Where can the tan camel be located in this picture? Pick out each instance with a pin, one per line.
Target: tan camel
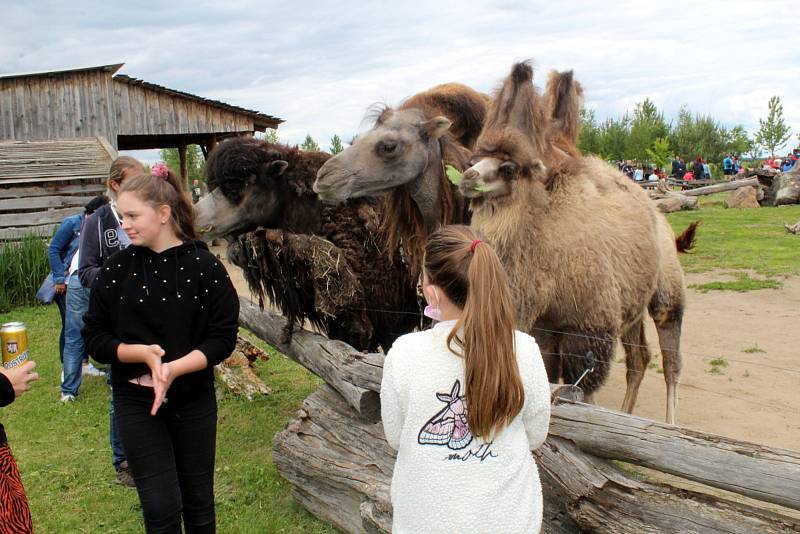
(584, 247)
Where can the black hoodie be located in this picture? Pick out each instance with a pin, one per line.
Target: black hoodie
(181, 299)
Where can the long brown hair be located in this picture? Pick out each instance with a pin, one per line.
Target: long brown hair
(170, 191)
(470, 274)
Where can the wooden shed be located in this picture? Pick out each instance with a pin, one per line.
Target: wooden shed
(60, 130)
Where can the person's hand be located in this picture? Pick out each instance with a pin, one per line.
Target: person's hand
(161, 384)
(61, 289)
(21, 376)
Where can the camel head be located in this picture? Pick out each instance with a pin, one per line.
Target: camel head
(249, 185)
(394, 153)
(510, 147)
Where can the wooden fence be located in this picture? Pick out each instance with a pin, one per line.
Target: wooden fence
(602, 471)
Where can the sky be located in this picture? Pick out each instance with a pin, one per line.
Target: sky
(321, 65)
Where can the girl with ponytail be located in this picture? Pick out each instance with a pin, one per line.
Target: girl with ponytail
(162, 313)
(465, 402)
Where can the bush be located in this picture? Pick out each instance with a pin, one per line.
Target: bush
(23, 266)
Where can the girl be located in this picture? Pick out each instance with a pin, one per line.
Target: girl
(163, 312)
(465, 402)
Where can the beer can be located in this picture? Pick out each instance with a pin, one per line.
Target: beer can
(15, 344)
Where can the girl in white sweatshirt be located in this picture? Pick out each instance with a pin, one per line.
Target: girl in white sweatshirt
(465, 402)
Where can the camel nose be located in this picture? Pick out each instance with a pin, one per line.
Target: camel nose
(470, 174)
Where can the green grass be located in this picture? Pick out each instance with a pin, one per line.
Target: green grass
(23, 267)
(717, 366)
(65, 461)
(742, 283)
(741, 239)
(754, 350)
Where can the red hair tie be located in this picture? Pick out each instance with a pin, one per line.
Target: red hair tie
(474, 244)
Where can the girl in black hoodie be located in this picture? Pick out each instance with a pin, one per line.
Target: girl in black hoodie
(163, 312)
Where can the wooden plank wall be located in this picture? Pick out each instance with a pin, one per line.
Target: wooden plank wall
(42, 182)
(63, 105)
(144, 111)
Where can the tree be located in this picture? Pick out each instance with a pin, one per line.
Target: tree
(614, 137)
(195, 162)
(737, 141)
(336, 145)
(271, 135)
(773, 131)
(589, 138)
(309, 144)
(660, 153)
(647, 126)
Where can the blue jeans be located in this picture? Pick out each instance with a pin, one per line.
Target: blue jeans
(117, 452)
(74, 348)
(61, 301)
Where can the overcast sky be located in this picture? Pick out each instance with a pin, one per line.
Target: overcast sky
(319, 65)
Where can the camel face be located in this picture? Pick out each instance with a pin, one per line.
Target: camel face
(394, 153)
(488, 178)
(240, 206)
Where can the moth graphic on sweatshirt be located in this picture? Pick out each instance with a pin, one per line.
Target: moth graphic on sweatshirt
(449, 426)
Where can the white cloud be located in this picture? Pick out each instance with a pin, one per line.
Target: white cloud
(319, 65)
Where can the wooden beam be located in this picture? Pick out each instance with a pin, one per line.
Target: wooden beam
(15, 234)
(50, 189)
(38, 203)
(717, 188)
(37, 218)
(182, 156)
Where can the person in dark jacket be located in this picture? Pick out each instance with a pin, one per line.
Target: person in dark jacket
(102, 236)
(163, 312)
(676, 167)
(15, 514)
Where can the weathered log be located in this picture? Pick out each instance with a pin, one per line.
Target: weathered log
(236, 374)
(744, 197)
(725, 186)
(675, 203)
(340, 468)
(334, 361)
(765, 473)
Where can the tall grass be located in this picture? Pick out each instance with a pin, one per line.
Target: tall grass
(23, 266)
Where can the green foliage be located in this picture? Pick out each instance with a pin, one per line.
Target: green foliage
(773, 131)
(614, 135)
(309, 144)
(23, 266)
(736, 140)
(693, 136)
(63, 454)
(717, 365)
(195, 162)
(589, 138)
(453, 174)
(336, 145)
(271, 135)
(659, 153)
(754, 349)
(742, 284)
(646, 127)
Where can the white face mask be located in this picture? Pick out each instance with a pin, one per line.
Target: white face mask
(432, 311)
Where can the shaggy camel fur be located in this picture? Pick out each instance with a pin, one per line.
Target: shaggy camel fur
(324, 264)
(402, 158)
(584, 247)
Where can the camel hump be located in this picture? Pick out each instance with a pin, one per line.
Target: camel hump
(522, 72)
(464, 106)
(686, 240)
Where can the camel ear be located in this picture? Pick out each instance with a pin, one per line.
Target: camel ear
(277, 167)
(436, 127)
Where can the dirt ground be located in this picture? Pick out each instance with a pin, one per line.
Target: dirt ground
(755, 398)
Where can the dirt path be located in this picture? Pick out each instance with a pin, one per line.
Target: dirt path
(750, 399)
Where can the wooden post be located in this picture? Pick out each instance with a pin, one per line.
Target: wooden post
(184, 169)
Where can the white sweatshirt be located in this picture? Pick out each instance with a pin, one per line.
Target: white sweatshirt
(445, 479)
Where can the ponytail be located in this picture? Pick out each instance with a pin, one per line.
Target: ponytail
(472, 277)
(165, 188)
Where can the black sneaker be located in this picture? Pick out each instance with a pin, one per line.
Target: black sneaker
(124, 476)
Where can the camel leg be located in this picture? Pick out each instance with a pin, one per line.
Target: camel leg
(637, 356)
(668, 319)
(548, 346)
(573, 347)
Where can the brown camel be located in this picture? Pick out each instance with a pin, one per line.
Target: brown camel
(402, 158)
(584, 247)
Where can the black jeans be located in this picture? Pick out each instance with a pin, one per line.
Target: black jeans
(171, 456)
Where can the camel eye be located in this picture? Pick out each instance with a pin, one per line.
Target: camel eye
(386, 148)
(507, 169)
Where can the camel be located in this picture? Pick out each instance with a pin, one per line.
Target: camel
(325, 264)
(402, 158)
(584, 248)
